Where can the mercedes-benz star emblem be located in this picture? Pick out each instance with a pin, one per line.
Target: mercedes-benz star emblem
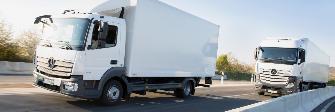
(273, 71)
(51, 63)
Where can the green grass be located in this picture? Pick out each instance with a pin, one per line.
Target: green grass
(331, 83)
(238, 76)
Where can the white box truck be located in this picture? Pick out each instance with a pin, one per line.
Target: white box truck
(285, 66)
(123, 47)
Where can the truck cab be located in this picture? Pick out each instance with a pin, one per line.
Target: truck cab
(279, 65)
(77, 49)
(285, 66)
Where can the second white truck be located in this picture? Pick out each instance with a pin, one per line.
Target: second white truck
(125, 47)
(285, 66)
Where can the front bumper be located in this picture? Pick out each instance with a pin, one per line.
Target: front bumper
(74, 86)
(280, 89)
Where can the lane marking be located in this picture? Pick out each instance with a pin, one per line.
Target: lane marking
(239, 95)
(325, 108)
(227, 85)
(231, 96)
(22, 91)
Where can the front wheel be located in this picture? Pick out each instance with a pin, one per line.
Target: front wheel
(260, 92)
(112, 93)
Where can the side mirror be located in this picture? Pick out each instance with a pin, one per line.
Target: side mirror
(256, 54)
(301, 56)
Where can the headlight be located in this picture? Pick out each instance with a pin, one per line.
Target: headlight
(70, 86)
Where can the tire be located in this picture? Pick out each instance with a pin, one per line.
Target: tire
(153, 90)
(112, 93)
(186, 91)
(260, 92)
(324, 85)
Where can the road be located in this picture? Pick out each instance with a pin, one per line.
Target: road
(17, 95)
(327, 106)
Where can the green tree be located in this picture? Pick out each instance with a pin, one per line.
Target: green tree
(27, 42)
(222, 63)
(233, 68)
(8, 49)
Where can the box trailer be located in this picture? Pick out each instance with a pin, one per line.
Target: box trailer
(287, 66)
(123, 47)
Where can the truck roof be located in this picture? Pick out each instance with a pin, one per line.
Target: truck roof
(284, 42)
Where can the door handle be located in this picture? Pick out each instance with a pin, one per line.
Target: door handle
(113, 62)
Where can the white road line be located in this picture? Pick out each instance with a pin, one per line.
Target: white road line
(325, 108)
(232, 96)
(22, 91)
(227, 85)
(239, 95)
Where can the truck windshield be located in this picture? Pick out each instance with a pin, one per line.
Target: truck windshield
(278, 55)
(69, 32)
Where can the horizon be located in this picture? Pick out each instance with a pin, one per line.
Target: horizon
(243, 23)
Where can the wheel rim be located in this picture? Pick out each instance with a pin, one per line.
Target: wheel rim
(113, 93)
(187, 89)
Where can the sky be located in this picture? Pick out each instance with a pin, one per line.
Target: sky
(243, 23)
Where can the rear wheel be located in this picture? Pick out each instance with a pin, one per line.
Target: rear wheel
(112, 93)
(186, 91)
(153, 90)
(260, 92)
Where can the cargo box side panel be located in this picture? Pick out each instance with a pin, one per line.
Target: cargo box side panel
(167, 42)
(316, 68)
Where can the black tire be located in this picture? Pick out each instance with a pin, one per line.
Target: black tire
(112, 93)
(260, 92)
(186, 91)
(324, 85)
(153, 90)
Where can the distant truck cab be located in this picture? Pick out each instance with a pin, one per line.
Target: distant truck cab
(125, 47)
(285, 66)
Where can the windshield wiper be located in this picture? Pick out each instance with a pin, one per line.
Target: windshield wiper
(267, 59)
(67, 45)
(281, 59)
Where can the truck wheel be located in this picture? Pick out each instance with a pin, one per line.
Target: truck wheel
(112, 93)
(260, 92)
(305, 86)
(153, 90)
(324, 85)
(185, 91)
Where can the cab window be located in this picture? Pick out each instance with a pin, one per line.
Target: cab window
(104, 36)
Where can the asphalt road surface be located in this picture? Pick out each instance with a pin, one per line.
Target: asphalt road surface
(327, 106)
(17, 95)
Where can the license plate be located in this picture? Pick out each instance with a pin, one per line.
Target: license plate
(48, 81)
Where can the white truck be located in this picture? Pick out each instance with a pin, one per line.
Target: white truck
(285, 66)
(123, 47)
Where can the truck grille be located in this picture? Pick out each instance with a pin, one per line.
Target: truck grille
(59, 68)
(267, 77)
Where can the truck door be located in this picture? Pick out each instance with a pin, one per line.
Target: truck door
(102, 49)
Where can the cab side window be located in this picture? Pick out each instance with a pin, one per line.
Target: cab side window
(104, 36)
(111, 38)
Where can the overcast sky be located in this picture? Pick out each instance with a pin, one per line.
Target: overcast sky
(244, 23)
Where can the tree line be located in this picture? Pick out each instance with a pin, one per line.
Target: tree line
(19, 49)
(234, 70)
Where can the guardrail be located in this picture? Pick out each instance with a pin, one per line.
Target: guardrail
(299, 102)
(9, 68)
